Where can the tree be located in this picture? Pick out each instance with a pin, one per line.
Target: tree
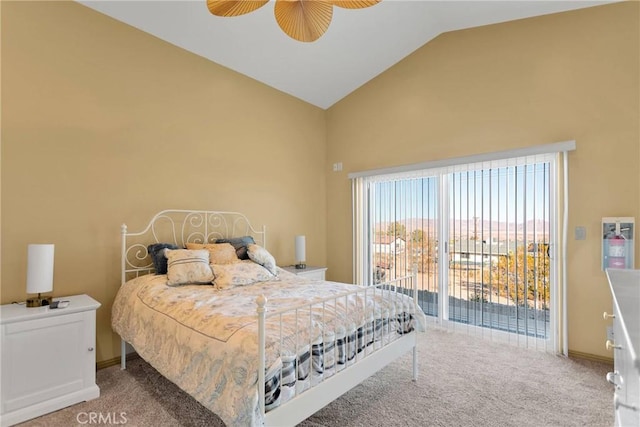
(397, 230)
(417, 236)
(523, 276)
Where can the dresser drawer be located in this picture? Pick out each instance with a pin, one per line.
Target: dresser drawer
(625, 289)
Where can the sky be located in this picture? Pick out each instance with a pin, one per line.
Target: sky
(514, 194)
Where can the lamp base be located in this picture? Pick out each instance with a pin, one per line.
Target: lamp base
(39, 301)
(301, 266)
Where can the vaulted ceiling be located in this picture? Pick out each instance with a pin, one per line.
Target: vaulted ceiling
(359, 44)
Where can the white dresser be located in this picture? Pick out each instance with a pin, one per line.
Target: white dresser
(48, 358)
(314, 273)
(625, 287)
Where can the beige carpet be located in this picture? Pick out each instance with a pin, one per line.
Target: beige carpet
(464, 381)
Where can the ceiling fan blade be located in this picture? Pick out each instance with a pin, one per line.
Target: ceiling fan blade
(346, 4)
(234, 7)
(304, 20)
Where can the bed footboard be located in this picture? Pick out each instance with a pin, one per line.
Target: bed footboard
(316, 368)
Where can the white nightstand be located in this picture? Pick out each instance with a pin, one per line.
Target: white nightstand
(315, 273)
(48, 358)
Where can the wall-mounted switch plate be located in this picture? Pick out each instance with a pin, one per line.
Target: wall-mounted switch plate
(580, 233)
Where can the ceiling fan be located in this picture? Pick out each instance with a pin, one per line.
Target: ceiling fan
(302, 20)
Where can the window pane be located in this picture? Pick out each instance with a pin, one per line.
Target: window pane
(405, 226)
(499, 240)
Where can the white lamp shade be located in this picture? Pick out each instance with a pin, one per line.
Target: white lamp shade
(39, 268)
(300, 249)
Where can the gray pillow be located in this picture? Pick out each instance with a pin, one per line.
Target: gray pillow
(156, 251)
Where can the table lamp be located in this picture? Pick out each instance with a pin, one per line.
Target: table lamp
(39, 273)
(300, 253)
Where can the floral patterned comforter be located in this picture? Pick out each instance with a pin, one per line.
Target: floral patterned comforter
(205, 340)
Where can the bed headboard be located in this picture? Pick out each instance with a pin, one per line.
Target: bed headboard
(180, 227)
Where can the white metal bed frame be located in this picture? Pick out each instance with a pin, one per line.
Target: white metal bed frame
(201, 226)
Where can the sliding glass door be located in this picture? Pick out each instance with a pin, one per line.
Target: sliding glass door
(481, 237)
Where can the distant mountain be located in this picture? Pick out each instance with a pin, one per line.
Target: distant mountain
(535, 230)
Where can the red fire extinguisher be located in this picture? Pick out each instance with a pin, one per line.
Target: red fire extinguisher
(617, 252)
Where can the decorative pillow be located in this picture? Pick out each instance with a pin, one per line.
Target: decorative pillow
(188, 266)
(260, 255)
(156, 251)
(239, 273)
(240, 243)
(219, 253)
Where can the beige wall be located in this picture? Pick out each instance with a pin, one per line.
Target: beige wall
(569, 76)
(104, 124)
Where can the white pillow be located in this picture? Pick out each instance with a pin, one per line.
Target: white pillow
(240, 273)
(261, 256)
(186, 266)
